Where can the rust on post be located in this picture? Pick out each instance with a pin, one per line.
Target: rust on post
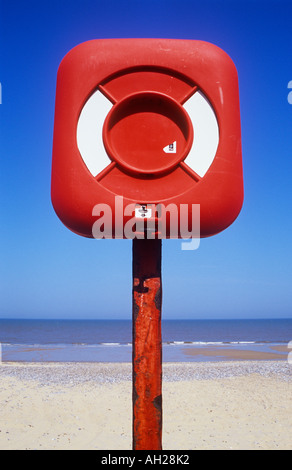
(147, 346)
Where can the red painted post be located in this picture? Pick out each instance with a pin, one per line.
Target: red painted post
(147, 346)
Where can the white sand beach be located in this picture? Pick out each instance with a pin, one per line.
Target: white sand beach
(224, 405)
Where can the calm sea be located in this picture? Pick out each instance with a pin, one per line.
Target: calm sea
(111, 340)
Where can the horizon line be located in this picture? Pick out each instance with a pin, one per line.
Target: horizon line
(130, 319)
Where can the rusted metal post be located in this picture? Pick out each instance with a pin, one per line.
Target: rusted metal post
(147, 345)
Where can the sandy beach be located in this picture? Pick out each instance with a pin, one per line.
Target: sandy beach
(224, 405)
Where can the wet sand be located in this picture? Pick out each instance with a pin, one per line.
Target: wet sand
(240, 354)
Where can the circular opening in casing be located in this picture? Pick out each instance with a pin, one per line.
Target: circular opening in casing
(147, 133)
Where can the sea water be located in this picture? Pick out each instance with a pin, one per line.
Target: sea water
(111, 340)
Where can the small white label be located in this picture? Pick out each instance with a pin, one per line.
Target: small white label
(143, 212)
(170, 148)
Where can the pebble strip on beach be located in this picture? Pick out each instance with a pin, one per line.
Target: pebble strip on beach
(71, 374)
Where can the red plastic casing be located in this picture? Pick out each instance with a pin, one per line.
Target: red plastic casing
(147, 83)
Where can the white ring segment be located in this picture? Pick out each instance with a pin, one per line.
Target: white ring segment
(206, 133)
(95, 110)
(89, 132)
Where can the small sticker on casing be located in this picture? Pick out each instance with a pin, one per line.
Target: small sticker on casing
(143, 211)
(171, 148)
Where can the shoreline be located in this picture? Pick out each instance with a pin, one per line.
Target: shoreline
(170, 353)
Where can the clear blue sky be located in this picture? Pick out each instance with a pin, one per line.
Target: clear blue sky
(47, 271)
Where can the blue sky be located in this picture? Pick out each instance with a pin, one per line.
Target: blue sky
(47, 271)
